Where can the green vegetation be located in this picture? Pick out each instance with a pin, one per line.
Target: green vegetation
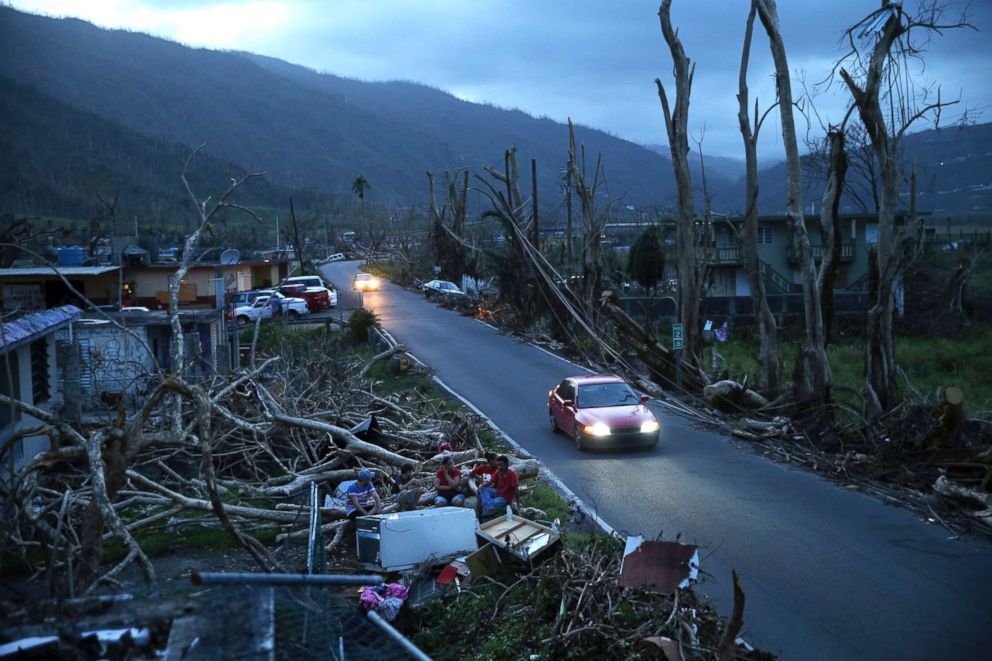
(359, 323)
(929, 363)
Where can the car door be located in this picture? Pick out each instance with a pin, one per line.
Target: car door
(564, 415)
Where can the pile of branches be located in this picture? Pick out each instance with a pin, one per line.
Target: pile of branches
(236, 451)
(574, 600)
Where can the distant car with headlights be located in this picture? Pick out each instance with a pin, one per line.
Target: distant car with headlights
(365, 282)
(601, 410)
(443, 287)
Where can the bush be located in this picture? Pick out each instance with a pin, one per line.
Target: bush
(359, 323)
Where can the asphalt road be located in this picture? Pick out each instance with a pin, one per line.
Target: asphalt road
(828, 573)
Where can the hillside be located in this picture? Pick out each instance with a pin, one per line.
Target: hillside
(954, 175)
(55, 160)
(305, 129)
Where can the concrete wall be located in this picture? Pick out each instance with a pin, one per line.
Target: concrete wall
(27, 448)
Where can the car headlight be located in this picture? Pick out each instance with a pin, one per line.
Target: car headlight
(649, 426)
(598, 429)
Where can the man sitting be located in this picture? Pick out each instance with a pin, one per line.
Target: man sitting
(450, 484)
(363, 499)
(502, 491)
(408, 491)
(482, 474)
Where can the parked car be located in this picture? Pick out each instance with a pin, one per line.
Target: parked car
(337, 257)
(240, 298)
(317, 299)
(602, 410)
(261, 306)
(365, 282)
(320, 296)
(442, 287)
(291, 306)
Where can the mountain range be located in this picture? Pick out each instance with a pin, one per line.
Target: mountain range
(84, 107)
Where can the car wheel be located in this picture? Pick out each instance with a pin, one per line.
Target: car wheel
(293, 315)
(243, 320)
(580, 444)
(554, 423)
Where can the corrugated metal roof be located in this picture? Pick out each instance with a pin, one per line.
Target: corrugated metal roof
(18, 331)
(63, 270)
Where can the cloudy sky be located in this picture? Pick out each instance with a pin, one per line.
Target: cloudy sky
(592, 60)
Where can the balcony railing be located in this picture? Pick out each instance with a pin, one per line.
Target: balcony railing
(846, 253)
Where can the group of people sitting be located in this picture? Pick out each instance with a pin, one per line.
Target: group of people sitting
(494, 483)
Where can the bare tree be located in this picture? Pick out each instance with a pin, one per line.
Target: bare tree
(593, 220)
(889, 102)
(830, 230)
(811, 381)
(771, 364)
(691, 270)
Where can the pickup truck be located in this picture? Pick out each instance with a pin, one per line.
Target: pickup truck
(293, 308)
(318, 296)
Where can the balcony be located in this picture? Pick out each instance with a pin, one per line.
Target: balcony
(846, 254)
(724, 255)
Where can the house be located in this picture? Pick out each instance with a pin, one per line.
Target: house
(44, 287)
(122, 355)
(29, 373)
(779, 263)
(148, 285)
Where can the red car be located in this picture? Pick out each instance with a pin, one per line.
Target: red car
(601, 410)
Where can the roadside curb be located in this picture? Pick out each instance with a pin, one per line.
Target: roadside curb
(544, 471)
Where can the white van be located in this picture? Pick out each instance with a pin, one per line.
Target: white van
(337, 257)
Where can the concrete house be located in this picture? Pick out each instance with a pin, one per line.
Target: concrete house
(41, 287)
(29, 373)
(148, 285)
(780, 264)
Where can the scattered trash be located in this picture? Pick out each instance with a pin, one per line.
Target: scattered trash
(661, 566)
(522, 538)
(386, 600)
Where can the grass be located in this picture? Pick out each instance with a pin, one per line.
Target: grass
(929, 362)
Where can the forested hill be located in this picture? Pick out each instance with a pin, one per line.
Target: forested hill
(304, 129)
(57, 160)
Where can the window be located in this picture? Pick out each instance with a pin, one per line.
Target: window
(871, 233)
(566, 390)
(765, 235)
(39, 371)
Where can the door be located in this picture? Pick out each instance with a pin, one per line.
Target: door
(564, 414)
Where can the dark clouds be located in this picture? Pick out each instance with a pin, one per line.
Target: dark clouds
(595, 61)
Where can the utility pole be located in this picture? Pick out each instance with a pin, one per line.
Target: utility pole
(533, 197)
(277, 237)
(327, 247)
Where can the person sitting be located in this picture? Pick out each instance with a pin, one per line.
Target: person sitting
(408, 491)
(363, 499)
(450, 484)
(502, 491)
(482, 474)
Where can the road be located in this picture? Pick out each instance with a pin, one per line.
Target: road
(829, 573)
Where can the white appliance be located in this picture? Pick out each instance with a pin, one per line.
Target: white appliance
(401, 540)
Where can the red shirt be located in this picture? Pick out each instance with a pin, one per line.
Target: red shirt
(506, 484)
(485, 471)
(443, 484)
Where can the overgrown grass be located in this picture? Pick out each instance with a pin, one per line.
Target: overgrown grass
(929, 363)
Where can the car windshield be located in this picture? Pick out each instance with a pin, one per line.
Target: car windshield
(363, 276)
(597, 395)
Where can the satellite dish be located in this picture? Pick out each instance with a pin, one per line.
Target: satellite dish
(230, 256)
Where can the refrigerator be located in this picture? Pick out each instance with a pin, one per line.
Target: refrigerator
(401, 540)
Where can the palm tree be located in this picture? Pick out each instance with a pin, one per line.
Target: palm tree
(359, 186)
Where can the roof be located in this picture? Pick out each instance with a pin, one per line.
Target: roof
(153, 317)
(30, 326)
(58, 270)
(210, 265)
(596, 378)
